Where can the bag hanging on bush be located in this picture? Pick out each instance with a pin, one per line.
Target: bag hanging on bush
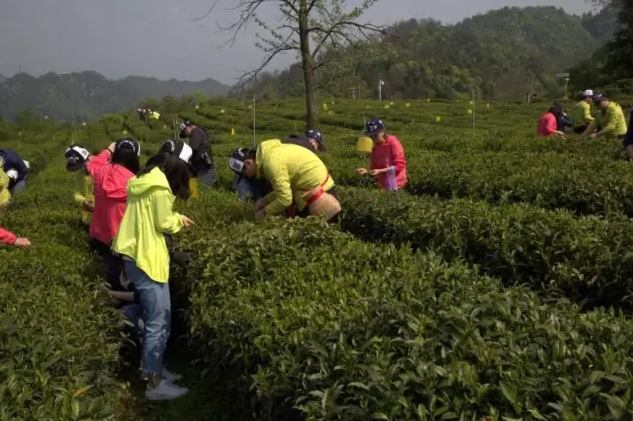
(392, 180)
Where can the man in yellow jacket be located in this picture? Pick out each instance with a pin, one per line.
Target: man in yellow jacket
(582, 112)
(77, 158)
(297, 176)
(610, 123)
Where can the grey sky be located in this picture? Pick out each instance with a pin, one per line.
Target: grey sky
(155, 38)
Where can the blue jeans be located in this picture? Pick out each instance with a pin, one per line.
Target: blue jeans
(253, 188)
(18, 187)
(156, 304)
(134, 314)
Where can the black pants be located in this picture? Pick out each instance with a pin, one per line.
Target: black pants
(112, 265)
(580, 129)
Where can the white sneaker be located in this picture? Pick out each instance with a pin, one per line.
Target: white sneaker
(165, 391)
(171, 377)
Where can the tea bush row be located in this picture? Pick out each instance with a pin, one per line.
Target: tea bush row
(300, 321)
(59, 339)
(586, 259)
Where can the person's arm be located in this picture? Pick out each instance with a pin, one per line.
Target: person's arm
(611, 122)
(166, 220)
(590, 128)
(7, 237)
(99, 161)
(281, 197)
(398, 160)
(588, 118)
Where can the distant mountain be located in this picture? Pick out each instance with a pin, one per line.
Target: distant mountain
(502, 54)
(2, 78)
(87, 95)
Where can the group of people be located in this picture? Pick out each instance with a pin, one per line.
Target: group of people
(13, 175)
(128, 212)
(287, 176)
(609, 121)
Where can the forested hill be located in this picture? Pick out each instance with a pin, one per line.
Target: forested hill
(503, 53)
(88, 95)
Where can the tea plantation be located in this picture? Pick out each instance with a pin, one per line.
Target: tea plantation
(496, 287)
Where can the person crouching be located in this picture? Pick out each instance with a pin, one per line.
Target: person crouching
(301, 184)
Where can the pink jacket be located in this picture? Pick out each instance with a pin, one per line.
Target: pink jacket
(7, 237)
(110, 191)
(547, 124)
(389, 154)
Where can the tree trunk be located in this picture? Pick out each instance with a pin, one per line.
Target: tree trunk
(312, 116)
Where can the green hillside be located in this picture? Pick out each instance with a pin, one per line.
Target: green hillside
(88, 95)
(503, 53)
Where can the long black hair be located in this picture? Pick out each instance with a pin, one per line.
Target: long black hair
(175, 169)
(127, 158)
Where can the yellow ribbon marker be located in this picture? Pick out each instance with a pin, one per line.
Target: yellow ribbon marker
(438, 119)
(364, 144)
(232, 131)
(193, 186)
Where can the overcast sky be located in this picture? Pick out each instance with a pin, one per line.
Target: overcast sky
(156, 38)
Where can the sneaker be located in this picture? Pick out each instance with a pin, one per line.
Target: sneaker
(165, 391)
(167, 375)
(171, 377)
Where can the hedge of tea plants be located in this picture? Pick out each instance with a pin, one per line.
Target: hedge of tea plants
(59, 339)
(586, 259)
(301, 321)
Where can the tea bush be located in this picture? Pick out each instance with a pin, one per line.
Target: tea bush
(59, 338)
(587, 259)
(300, 320)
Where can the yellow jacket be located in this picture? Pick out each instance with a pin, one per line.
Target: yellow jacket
(5, 194)
(148, 216)
(582, 113)
(612, 121)
(83, 195)
(292, 170)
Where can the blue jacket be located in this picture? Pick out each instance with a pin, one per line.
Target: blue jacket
(13, 161)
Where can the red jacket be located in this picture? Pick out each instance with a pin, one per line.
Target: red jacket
(110, 191)
(7, 237)
(389, 154)
(547, 125)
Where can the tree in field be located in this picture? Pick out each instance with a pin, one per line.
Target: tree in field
(317, 31)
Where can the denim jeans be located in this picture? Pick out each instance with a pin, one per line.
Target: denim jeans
(156, 304)
(18, 187)
(134, 314)
(253, 188)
